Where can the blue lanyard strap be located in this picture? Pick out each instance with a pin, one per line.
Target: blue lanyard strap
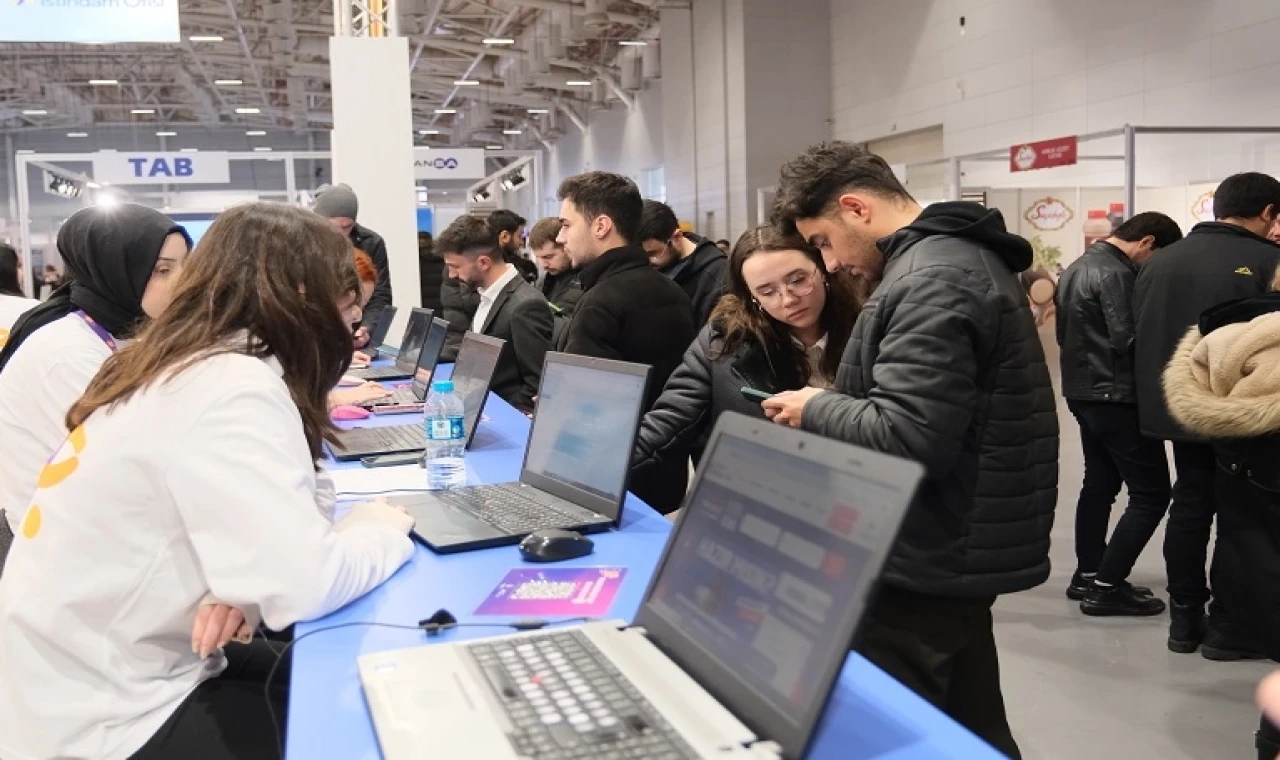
(98, 330)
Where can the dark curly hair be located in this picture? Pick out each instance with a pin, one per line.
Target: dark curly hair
(812, 181)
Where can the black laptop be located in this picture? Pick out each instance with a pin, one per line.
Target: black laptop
(379, 325)
(415, 335)
(575, 467)
(477, 358)
(411, 397)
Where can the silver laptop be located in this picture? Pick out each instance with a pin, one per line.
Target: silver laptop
(736, 648)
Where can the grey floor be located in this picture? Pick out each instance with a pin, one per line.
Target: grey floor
(1078, 687)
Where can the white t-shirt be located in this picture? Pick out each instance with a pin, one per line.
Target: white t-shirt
(12, 307)
(201, 484)
(488, 296)
(46, 375)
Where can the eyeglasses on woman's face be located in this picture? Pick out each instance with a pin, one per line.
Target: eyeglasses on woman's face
(798, 284)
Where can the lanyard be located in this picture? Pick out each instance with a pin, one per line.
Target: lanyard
(98, 330)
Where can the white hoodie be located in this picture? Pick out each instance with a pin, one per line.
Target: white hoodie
(201, 484)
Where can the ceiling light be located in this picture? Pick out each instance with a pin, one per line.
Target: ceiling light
(499, 41)
(262, 149)
(444, 192)
(248, 110)
(228, 82)
(107, 200)
(143, 110)
(25, 151)
(466, 83)
(93, 185)
(481, 196)
(578, 83)
(513, 180)
(104, 81)
(513, 131)
(428, 131)
(444, 111)
(205, 38)
(255, 133)
(190, 150)
(539, 110)
(633, 43)
(166, 134)
(77, 134)
(35, 112)
(494, 147)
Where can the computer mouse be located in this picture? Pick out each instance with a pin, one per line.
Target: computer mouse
(346, 412)
(554, 545)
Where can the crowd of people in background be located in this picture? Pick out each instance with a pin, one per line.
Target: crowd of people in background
(855, 314)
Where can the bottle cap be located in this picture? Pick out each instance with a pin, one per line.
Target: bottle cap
(442, 386)
(1097, 213)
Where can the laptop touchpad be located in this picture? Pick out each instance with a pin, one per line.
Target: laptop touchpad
(440, 523)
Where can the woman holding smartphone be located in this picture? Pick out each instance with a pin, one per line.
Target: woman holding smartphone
(190, 471)
(782, 325)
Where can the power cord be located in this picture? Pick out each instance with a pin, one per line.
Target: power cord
(442, 620)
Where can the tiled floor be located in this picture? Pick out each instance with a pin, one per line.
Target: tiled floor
(1100, 689)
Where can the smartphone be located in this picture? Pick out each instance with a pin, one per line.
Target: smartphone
(753, 395)
(392, 460)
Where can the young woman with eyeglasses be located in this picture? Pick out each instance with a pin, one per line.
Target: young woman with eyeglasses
(782, 325)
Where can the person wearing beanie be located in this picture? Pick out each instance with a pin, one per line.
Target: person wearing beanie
(338, 204)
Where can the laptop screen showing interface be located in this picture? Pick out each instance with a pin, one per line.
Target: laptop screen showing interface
(584, 427)
(472, 372)
(428, 357)
(414, 336)
(763, 584)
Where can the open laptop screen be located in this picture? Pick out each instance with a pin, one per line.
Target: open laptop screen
(414, 336)
(381, 326)
(775, 551)
(585, 424)
(472, 373)
(428, 356)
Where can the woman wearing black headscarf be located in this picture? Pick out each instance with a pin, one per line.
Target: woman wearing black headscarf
(121, 263)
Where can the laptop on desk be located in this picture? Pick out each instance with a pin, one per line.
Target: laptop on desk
(738, 643)
(472, 372)
(415, 335)
(410, 398)
(378, 329)
(575, 467)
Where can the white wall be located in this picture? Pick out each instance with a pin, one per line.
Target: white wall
(1034, 69)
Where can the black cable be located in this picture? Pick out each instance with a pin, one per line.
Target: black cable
(431, 628)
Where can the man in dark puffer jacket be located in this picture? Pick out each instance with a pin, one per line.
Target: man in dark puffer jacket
(944, 367)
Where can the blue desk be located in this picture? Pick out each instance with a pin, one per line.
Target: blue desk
(870, 714)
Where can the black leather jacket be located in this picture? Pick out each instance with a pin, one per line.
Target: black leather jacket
(1095, 326)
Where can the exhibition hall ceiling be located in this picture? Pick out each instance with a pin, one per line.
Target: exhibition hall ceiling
(515, 71)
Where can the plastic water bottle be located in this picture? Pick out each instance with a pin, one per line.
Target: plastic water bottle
(446, 437)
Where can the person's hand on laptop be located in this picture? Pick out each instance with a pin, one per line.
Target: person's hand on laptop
(360, 338)
(360, 357)
(379, 511)
(361, 394)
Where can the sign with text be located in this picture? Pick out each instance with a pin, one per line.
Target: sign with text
(534, 592)
(1048, 214)
(89, 21)
(211, 168)
(448, 163)
(1062, 151)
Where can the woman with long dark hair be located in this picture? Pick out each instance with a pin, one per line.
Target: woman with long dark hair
(13, 303)
(782, 325)
(190, 470)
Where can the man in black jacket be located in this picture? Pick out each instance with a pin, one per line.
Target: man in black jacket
(944, 367)
(510, 308)
(696, 264)
(629, 311)
(338, 204)
(560, 282)
(1095, 330)
(509, 228)
(1217, 262)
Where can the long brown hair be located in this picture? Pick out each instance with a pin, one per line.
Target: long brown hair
(269, 270)
(740, 320)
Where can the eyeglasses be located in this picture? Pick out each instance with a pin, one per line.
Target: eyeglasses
(798, 284)
(651, 252)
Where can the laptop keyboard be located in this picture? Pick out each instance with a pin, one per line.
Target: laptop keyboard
(398, 396)
(508, 511)
(397, 438)
(565, 700)
(378, 373)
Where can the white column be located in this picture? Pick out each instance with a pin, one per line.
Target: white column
(373, 150)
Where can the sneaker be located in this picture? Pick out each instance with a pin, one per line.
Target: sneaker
(1121, 599)
(1186, 627)
(1223, 647)
(1082, 583)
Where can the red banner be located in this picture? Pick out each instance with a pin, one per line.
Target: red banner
(1041, 155)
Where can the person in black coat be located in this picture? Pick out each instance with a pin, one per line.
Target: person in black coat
(430, 272)
(944, 367)
(510, 308)
(782, 326)
(629, 311)
(338, 204)
(559, 281)
(696, 264)
(1217, 262)
(1095, 331)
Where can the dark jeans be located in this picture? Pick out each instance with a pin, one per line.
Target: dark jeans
(943, 649)
(226, 717)
(1186, 536)
(1116, 453)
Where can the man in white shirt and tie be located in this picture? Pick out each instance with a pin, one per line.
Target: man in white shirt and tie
(510, 308)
